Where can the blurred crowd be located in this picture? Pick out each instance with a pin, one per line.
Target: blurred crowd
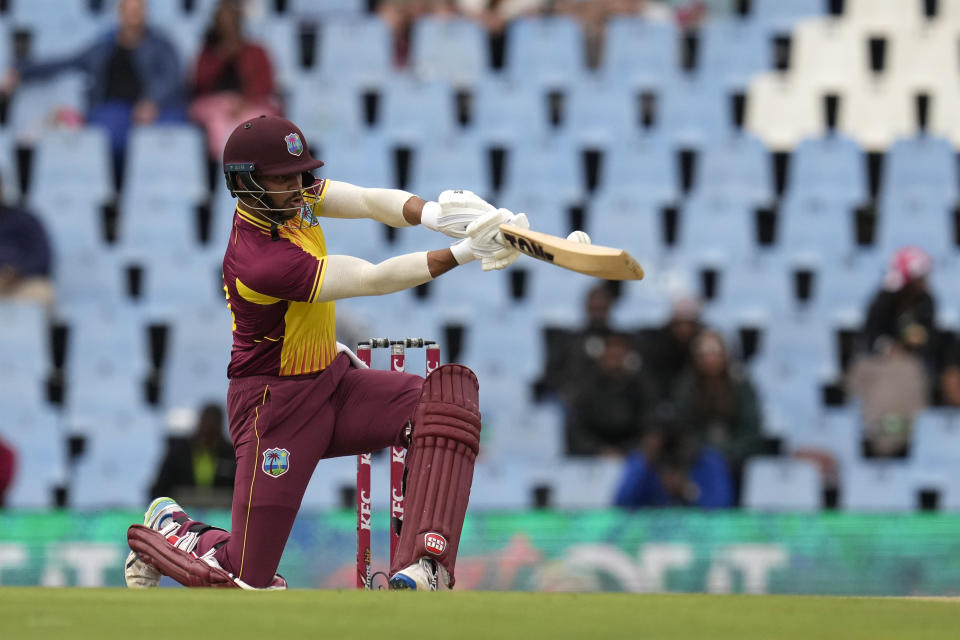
(678, 405)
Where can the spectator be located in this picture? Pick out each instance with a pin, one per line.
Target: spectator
(904, 309)
(667, 349)
(569, 351)
(595, 15)
(719, 403)
(25, 256)
(891, 385)
(673, 468)
(8, 467)
(233, 78)
(134, 75)
(608, 405)
(201, 463)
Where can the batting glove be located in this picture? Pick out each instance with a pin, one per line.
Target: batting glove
(454, 211)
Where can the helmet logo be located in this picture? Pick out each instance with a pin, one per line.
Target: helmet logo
(294, 144)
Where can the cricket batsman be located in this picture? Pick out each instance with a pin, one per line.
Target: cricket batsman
(296, 396)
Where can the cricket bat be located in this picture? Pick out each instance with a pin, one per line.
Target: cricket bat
(590, 259)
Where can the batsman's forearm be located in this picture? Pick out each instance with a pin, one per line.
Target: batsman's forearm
(393, 207)
(349, 277)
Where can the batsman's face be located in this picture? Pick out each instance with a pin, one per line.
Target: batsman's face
(289, 187)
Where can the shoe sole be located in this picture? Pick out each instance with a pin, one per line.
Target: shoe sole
(401, 583)
(147, 515)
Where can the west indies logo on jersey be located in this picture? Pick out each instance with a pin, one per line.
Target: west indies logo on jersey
(434, 543)
(276, 462)
(294, 144)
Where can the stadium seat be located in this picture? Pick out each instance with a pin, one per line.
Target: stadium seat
(755, 297)
(734, 167)
(514, 428)
(24, 341)
(716, 231)
(627, 223)
(597, 115)
(838, 432)
(323, 109)
(944, 104)
(326, 9)
(878, 487)
(644, 169)
(920, 171)
(281, 39)
(357, 50)
(827, 54)
(929, 226)
(922, 58)
(844, 290)
(505, 112)
(8, 168)
(547, 52)
(106, 338)
(451, 50)
(199, 341)
(56, 28)
(783, 15)
(82, 276)
(453, 163)
(692, 111)
(782, 112)
(34, 104)
(74, 163)
(41, 451)
(165, 159)
(519, 353)
(781, 484)
(815, 230)
(581, 483)
(73, 224)
(365, 160)
(876, 113)
(731, 51)
(179, 279)
(890, 17)
(155, 225)
(415, 112)
(830, 170)
(936, 440)
(802, 345)
(640, 53)
(500, 483)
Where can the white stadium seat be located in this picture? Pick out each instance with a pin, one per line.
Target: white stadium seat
(876, 113)
(782, 484)
(782, 112)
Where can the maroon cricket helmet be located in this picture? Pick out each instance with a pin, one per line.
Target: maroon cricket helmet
(267, 146)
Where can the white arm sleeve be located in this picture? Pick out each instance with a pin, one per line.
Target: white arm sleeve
(344, 200)
(349, 277)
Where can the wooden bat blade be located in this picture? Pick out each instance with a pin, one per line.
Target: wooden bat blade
(590, 259)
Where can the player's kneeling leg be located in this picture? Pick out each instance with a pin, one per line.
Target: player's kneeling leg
(443, 450)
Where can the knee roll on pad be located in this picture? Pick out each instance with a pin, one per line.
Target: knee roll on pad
(443, 450)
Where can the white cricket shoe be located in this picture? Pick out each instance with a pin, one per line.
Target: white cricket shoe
(159, 515)
(420, 576)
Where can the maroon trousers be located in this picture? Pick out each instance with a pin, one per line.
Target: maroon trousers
(281, 427)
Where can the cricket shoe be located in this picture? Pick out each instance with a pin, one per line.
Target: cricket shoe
(420, 576)
(158, 516)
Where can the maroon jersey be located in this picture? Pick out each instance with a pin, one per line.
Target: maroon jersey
(279, 328)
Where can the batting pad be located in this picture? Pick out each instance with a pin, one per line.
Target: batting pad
(443, 450)
(185, 568)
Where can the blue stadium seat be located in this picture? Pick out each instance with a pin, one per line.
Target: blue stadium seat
(735, 167)
(82, 276)
(801, 345)
(106, 338)
(790, 401)
(500, 483)
(325, 109)
(814, 230)
(452, 163)
(582, 483)
(640, 53)
(598, 115)
(519, 351)
(281, 38)
(624, 222)
(645, 304)
(72, 162)
(452, 50)
(57, 28)
(542, 179)
(920, 170)
(643, 168)
(547, 52)
(691, 111)
(154, 226)
(831, 169)
(927, 225)
(73, 225)
(754, 297)
(515, 428)
(365, 160)
(24, 340)
(732, 50)
(356, 50)
(119, 463)
(40, 447)
(8, 167)
(715, 231)
(413, 112)
(327, 8)
(841, 292)
(936, 440)
(505, 112)
(838, 433)
(165, 159)
(554, 296)
(782, 15)
(177, 279)
(34, 103)
(781, 484)
(199, 341)
(878, 487)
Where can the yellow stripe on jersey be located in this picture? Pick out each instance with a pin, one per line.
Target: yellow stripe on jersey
(255, 297)
(309, 338)
(255, 220)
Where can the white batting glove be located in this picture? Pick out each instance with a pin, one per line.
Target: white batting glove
(453, 212)
(487, 243)
(579, 236)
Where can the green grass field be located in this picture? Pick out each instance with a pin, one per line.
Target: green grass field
(37, 613)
